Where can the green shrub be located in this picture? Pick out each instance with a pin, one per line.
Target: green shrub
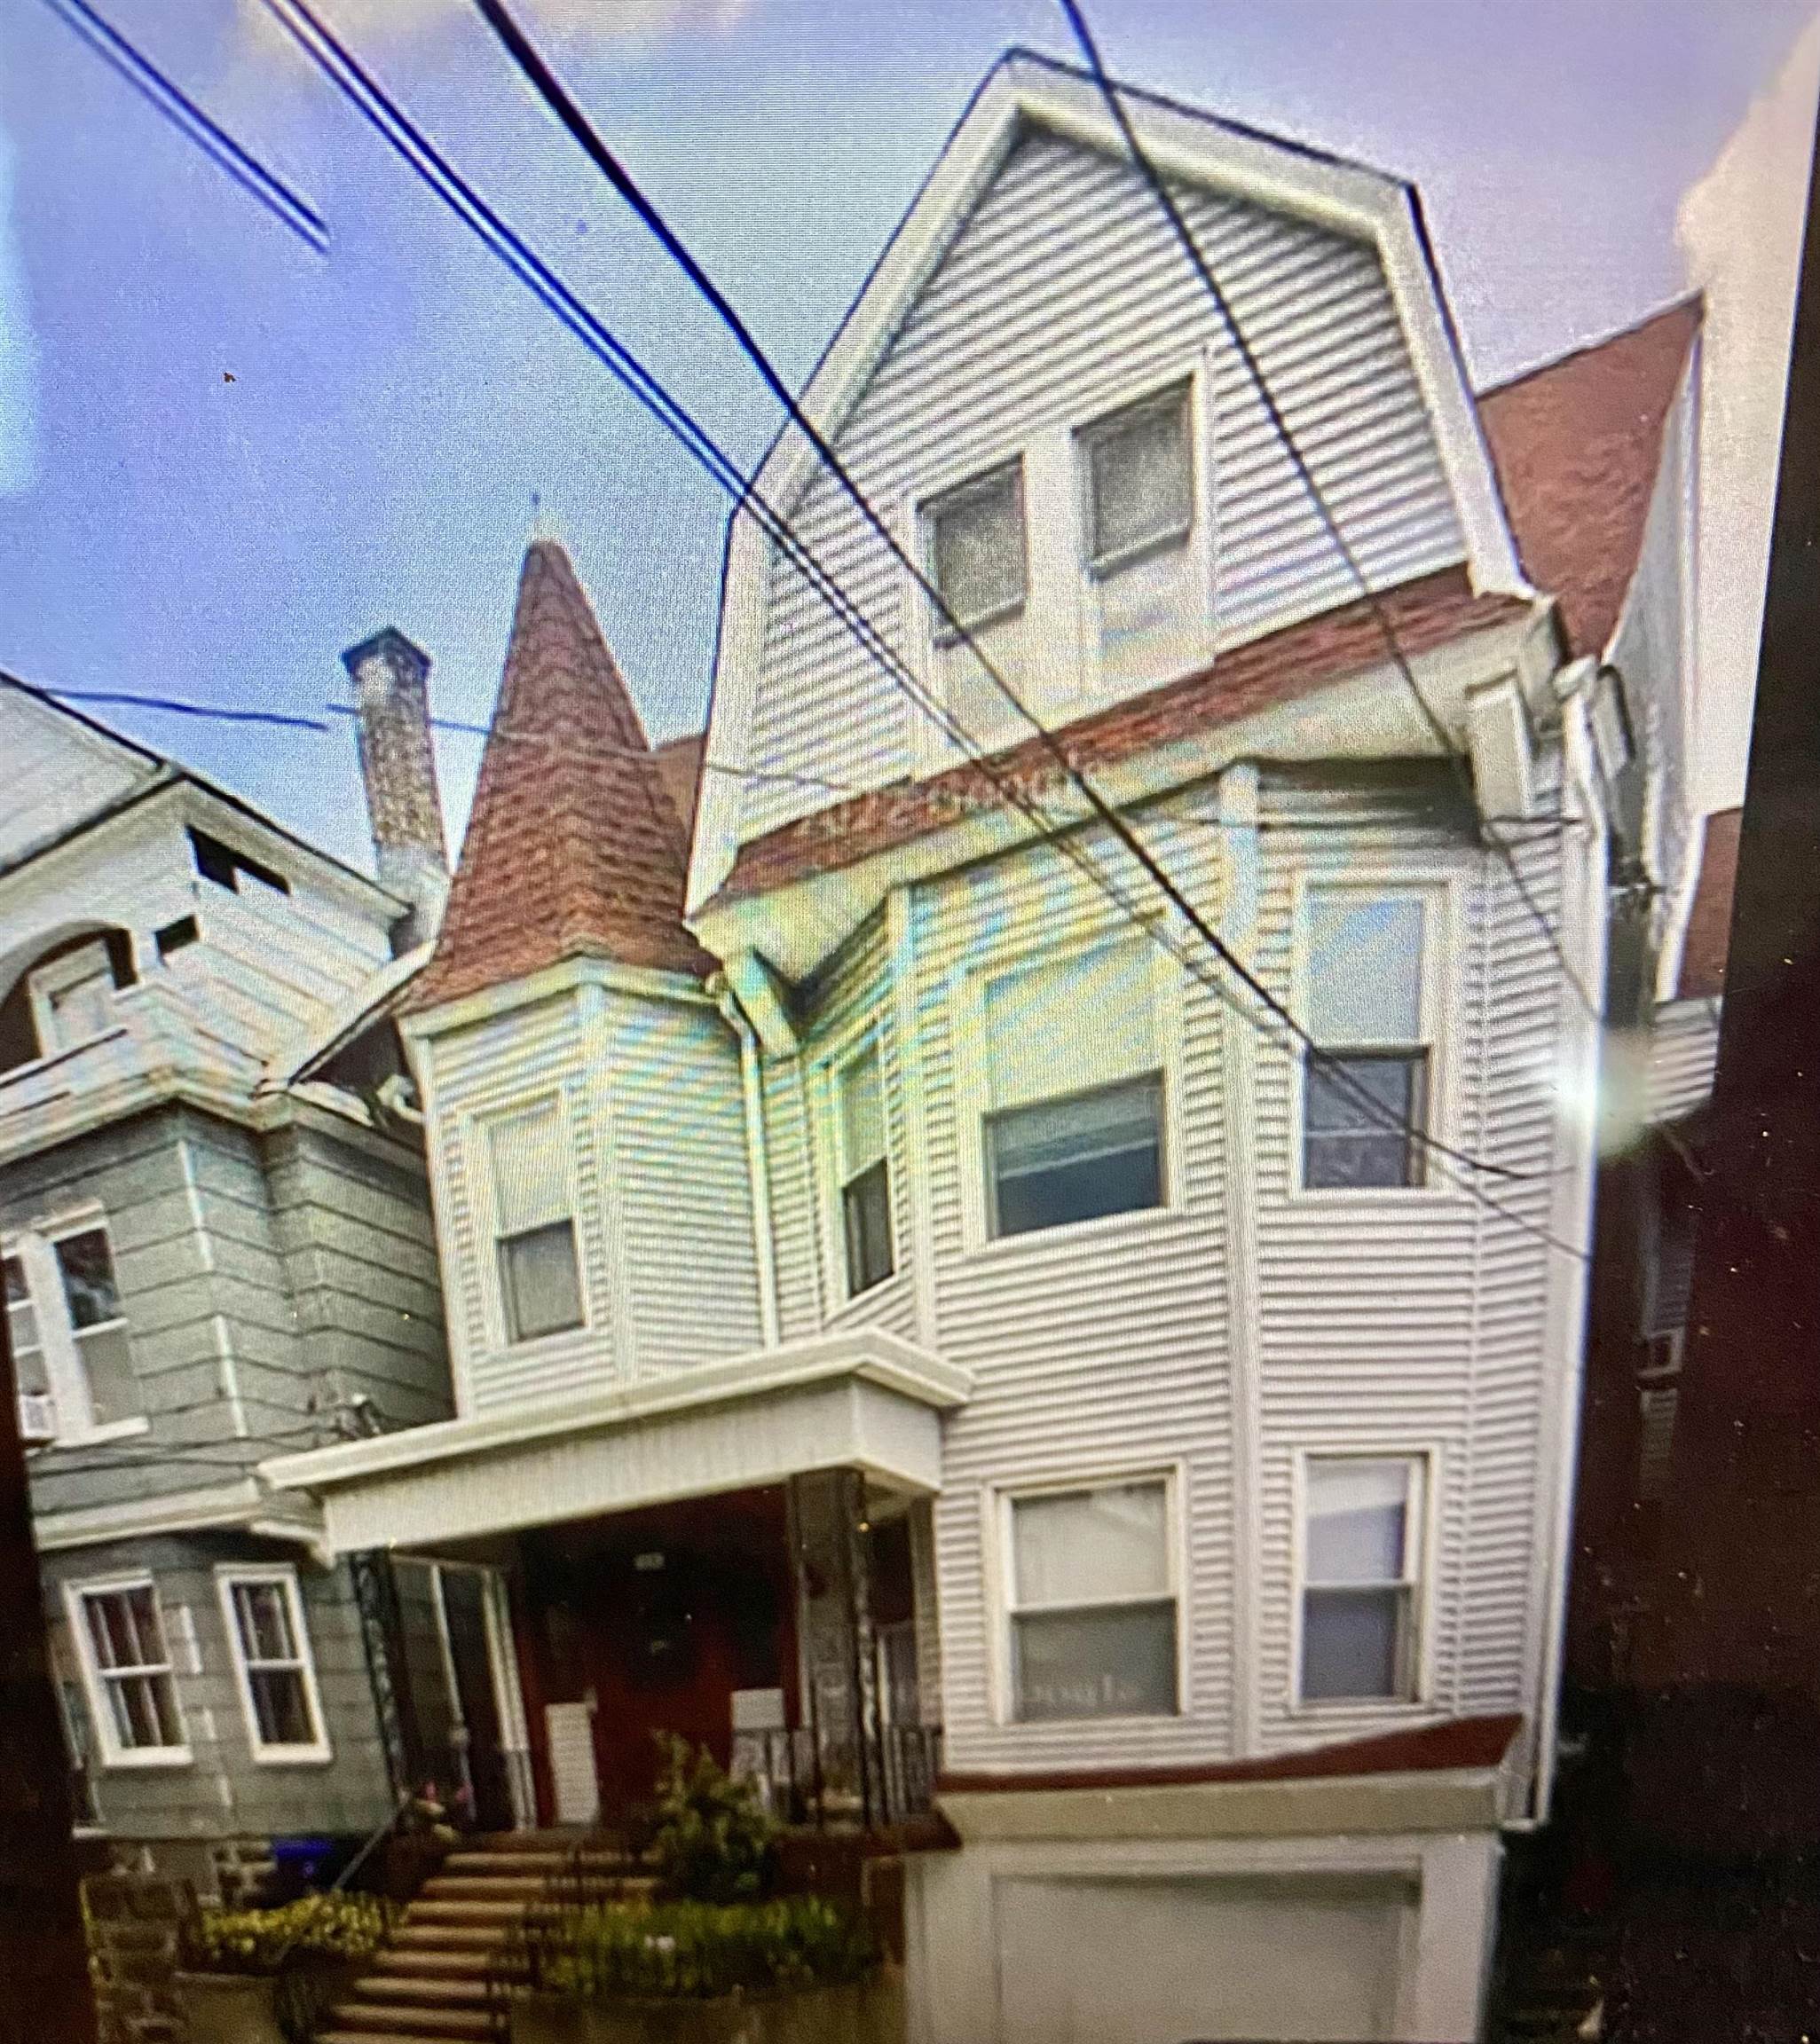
(262, 1940)
(712, 1840)
(698, 1951)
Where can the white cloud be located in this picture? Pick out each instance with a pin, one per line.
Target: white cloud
(19, 377)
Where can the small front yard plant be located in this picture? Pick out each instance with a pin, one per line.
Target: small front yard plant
(698, 1951)
(261, 1941)
(712, 1839)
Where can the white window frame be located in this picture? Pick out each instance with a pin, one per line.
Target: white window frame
(478, 1147)
(1421, 1530)
(930, 503)
(846, 1049)
(114, 1755)
(281, 1576)
(1000, 1557)
(65, 1372)
(44, 983)
(1103, 425)
(1442, 954)
(973, 1101)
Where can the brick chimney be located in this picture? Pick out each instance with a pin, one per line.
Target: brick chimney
(397, 765)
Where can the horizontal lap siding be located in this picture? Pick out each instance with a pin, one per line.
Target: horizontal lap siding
(1064, 291)
(1683, 1054)
(681, 1195)
(1092, 1351)
(1413, 1321)
(224, 1792)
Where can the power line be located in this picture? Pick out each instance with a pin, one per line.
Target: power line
(550, 89)
(188, 118)
(123, 698)
(1280, 425)
(344, 72)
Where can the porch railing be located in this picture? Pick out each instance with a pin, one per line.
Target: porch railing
(827, 1780)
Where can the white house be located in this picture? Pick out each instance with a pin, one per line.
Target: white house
(913, 1281)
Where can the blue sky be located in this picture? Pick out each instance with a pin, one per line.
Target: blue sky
(393, 408)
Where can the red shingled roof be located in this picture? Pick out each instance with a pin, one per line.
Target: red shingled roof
(574, 847)
(1295, 662)
(1709, 920)
(1576, 447)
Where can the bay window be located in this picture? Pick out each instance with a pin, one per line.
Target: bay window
(539, 1275)
(1092, 1603)
(1365, 1089)
(1362, 1575)
(1073, 1128)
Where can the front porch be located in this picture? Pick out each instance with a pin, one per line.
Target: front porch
(740, 1556)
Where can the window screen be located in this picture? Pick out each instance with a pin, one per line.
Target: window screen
(977, 540)
(1140, 480)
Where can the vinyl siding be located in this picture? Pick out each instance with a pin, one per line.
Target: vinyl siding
(1065, 293)
(224, 1791)
(653, 1104)
(1682, 1054)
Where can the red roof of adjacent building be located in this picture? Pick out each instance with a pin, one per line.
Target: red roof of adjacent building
(1431, 611)
(1576, 447)
(1709, 920)
(574, 846)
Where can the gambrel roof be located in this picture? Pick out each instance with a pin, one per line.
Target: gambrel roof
(574, 847)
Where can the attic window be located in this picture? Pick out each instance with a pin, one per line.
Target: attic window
(976, 548)
(221, 864)
(1141, 481)
(175, 936)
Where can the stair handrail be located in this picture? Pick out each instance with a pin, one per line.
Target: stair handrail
(519, 1960)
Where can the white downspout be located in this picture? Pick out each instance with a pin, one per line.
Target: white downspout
(757, 1159)
(1572, 1221)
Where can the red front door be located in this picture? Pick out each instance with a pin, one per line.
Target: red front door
(656, 1617)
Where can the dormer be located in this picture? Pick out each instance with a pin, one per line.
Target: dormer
(582, 1092)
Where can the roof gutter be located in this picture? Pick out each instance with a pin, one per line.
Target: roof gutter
(756, 1155)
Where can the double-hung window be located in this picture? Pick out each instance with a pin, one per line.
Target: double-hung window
(1366, 1087)
(72, 1346)
(863, 1170)
(1139, 477)
(127, 1667)
(1073, 1127)
(270, 1645)
(1363, 1519)
(539, 1274)
(978, 557)
(1092, 1603)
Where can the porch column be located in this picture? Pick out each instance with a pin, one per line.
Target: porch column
(834, 1628)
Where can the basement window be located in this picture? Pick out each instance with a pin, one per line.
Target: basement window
(219, 862)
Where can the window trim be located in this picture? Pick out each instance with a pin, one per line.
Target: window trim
(973, 1095)
(997, 1502)
(478, 1147)
(930, 507)
(1103, 426)
(1442, 953)
(114, 1755)
(65, 1372)
(229, 1575)
(1150, 1076)
(850, 1045)
(1422, 1526)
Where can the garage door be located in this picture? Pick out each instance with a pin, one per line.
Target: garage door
(1161, 1962)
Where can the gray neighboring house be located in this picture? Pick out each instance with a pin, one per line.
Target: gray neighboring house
(208, 1261)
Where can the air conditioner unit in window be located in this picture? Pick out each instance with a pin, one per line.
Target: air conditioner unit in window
(37, 1418)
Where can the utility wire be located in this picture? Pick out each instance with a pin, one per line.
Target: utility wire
(558, 99)
(188, 118)
(350, 78)
(1279, 426)
(121, 698)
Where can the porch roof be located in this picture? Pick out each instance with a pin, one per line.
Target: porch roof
(859, 1398)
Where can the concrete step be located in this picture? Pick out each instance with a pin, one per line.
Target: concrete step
(465, 1911)
(502, 1862)
(416, 1940)
(425, 1990)
(427, 1962)
(482, 1888)
(391, 2019)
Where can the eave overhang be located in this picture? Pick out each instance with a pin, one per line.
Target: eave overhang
(861, 1399)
